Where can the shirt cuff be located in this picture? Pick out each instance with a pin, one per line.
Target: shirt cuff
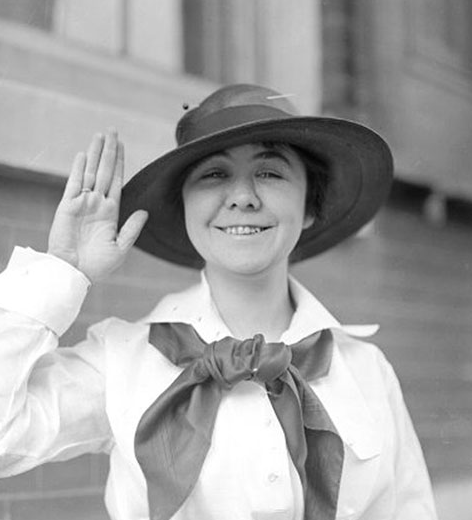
(44, 288)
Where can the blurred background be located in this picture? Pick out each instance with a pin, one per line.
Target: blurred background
(69, 68)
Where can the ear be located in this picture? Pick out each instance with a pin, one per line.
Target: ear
(308, 221)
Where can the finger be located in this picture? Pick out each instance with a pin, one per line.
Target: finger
(75, 180)
(94, 153)
(131, 229)
(106, 167)
(117, 182)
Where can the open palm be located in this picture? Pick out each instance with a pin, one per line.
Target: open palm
(85, 227)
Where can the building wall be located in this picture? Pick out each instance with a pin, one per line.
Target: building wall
(404, 68)
(55, 95)
(91, 69)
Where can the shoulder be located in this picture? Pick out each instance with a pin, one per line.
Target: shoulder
(365, 360)
(117, 341)
(173, 305)
(128, 341)
(357, 350)
(113, 327)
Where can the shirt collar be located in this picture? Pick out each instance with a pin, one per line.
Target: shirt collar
(354, 422)
(196, 307)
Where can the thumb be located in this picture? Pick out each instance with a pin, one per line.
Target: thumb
(130, 230)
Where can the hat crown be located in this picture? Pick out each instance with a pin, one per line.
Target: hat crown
(246, 94)
(231, 106)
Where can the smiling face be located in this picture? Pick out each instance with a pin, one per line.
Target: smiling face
(245, 207)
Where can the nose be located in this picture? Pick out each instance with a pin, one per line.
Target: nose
(242, 194)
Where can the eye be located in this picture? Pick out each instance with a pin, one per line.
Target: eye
(213, 174)
(269, 174)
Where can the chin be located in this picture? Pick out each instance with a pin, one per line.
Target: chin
(245, 266)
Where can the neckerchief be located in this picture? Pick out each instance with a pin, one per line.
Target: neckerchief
(174, 435)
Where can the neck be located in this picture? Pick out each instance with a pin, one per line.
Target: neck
(252, 304)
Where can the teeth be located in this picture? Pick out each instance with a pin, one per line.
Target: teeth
(242, 230)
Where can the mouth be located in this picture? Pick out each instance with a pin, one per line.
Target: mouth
(243, 230)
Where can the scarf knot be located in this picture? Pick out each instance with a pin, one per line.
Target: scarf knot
(230, 361)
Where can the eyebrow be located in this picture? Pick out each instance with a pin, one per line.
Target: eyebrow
(197, 164)
(272, 154)
(266, 153)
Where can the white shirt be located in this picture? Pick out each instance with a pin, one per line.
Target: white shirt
(59, 403)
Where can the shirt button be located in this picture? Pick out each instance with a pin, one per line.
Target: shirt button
(268, 422)
(273, 477)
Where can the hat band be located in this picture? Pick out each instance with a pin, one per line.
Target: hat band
(228, 118)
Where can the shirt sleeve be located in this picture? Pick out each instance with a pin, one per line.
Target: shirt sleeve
(413, 492)
(44, 288)
(52, 401)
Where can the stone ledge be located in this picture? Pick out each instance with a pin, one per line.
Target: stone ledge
(55, 95)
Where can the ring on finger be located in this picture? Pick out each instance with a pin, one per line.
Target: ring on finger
(85, 190)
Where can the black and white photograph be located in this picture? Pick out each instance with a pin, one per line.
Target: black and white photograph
(235, 260)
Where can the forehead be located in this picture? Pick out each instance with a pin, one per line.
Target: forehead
(254, 151)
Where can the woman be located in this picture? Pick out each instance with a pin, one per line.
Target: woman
(241, 397)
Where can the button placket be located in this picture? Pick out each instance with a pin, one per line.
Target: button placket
(273, 455)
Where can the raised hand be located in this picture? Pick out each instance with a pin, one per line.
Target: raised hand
(85, 227)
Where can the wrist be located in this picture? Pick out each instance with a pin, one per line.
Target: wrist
(67, 256)
(72, 260)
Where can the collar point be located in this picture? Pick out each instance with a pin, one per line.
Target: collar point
(361, 331)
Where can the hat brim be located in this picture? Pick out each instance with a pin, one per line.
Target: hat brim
(360, 169)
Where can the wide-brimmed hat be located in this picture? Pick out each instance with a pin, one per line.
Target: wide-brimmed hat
(358, 162)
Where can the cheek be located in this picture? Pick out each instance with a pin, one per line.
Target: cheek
(194, 204)
(190, 215)
(292, 203)
(199, 209)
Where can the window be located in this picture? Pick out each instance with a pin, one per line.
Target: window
(36, 13)
(439, 30)
(340, 55)
(146, 31)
